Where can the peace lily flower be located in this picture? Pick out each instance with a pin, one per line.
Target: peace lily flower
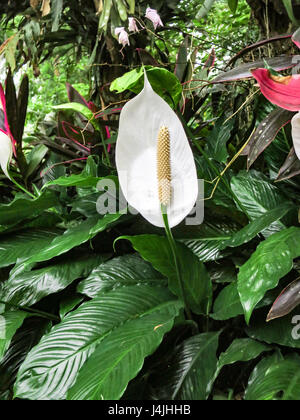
(123, 36)
(132, 25)
(154, 160)
(152, 15)
(6, 139)
(284, 92)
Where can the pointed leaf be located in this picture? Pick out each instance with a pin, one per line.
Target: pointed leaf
(196, 282)
(119, 272)
(51, 367)
(288, 299)
(266, 132)
(271, 261)
(290, 168)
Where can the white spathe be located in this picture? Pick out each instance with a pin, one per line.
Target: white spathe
(296, 133)
(136, 158)
(6, 152)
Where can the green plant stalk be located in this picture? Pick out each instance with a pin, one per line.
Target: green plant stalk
(22, 188)
(172, 244)
(41, 314)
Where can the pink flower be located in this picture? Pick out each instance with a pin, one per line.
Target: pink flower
(123, 36)
(132, 26)
(152, 15)
(281, 91)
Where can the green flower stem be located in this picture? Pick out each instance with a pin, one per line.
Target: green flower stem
(22, 188)
(172, 244)
(41, 314)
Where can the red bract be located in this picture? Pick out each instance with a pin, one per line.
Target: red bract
(281, 91)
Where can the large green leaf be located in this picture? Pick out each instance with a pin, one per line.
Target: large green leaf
(227, 304)
(51, 368)
(27, 288)
(23, 245)
(241, 350)
(9, 323)
(56, 10)
(22, 208)
(120, 356)
(72, 237)
(271, 261)
(208, 243)
(283, 331)
(123, 271)
(258, 225)
(196, 282)
(218, 138)
(188, 372)
(162, 81)
(275, 379)
(258, 195)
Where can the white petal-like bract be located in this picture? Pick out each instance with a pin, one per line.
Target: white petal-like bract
(296, 133)
(6, 152)
(136, 158)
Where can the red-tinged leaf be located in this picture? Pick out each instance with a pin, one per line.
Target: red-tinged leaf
(74, 95)
(22, 103)
(266, 132)
(281, 91)
(244, 71)
(286, 301)
(11, 104)
(296, 38)
(210, 62)
(256, 45)
(290, 168)
(182, 60)
(77, 135)
(74, 145)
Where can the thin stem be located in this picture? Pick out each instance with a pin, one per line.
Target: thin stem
(32, 311)
(22, 188)
(172, 244)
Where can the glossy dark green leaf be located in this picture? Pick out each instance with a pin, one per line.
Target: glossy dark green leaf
(51, 367)
(241, 350)
(9, 323)
(258, 225)
(282, 331)
(275, 379)
(29, 287)
(227, 304)
(162, 81)
(272, 260)
(25, 244)
(217, 140)
(188, 372)
(120, 356)
(196, 282)
(258, 195)
(72, 237)
(119, 272)
(22, 208)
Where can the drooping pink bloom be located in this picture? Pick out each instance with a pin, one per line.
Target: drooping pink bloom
(284, 92)
(281, 91)
(123, 36)
(132, 25)
(152, 15)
